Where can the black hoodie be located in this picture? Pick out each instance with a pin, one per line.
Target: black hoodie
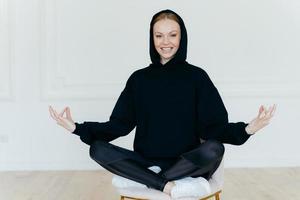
(171, 106)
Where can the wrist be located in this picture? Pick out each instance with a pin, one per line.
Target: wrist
(77, 129)
(249, 131)
(73, 127)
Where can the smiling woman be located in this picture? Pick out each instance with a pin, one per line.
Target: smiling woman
(172, 104)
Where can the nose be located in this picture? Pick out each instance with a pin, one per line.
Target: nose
(166, 40)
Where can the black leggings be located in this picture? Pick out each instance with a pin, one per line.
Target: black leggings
(201, 161)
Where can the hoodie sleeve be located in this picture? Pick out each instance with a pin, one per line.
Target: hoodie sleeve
(213, 117)
(121, 121)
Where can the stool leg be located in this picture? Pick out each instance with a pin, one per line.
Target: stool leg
(217, 196)
(125, 198)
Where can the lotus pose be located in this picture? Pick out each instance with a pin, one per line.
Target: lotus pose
(172, 104)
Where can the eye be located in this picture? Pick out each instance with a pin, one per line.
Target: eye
(174, 35)
(158, 36)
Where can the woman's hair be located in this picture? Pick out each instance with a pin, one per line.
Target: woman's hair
(166, 15)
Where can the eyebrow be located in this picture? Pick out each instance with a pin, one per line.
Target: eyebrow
(169, 32)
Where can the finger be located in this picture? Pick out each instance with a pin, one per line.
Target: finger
(50, 108)
(268, 112)
(273, 110)
(60, 119)
(68, 112)
(62, 112)
(260, 111)
(265, 108)
(265, 111)
(56, 114)
(262, 114)
(52, 113)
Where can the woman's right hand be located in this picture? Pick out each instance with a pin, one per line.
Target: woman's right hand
(66, 122)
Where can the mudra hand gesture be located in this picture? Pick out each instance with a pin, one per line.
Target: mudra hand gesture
(263, 118)
(64, 121)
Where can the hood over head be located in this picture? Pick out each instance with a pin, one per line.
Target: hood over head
(180, 55)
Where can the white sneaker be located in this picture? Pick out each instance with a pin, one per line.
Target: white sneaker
(122, 182)
(190, 187)
(154, 168)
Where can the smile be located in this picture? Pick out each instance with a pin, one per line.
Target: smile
(166, 49)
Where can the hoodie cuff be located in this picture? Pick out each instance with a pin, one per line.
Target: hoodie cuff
(79, 129)
(244, 135)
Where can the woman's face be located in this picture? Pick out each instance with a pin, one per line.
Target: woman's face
(166, 34)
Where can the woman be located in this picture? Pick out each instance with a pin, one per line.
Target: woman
(172, 104)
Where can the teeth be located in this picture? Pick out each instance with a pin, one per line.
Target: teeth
(167, 50)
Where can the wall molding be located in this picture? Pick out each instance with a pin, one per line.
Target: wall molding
(6, 49)
(55, 85)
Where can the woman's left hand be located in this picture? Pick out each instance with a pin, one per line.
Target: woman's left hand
(262, 120)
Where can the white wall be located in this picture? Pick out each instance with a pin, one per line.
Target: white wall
(68, 53)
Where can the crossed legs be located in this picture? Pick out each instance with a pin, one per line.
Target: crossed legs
(201, 161)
